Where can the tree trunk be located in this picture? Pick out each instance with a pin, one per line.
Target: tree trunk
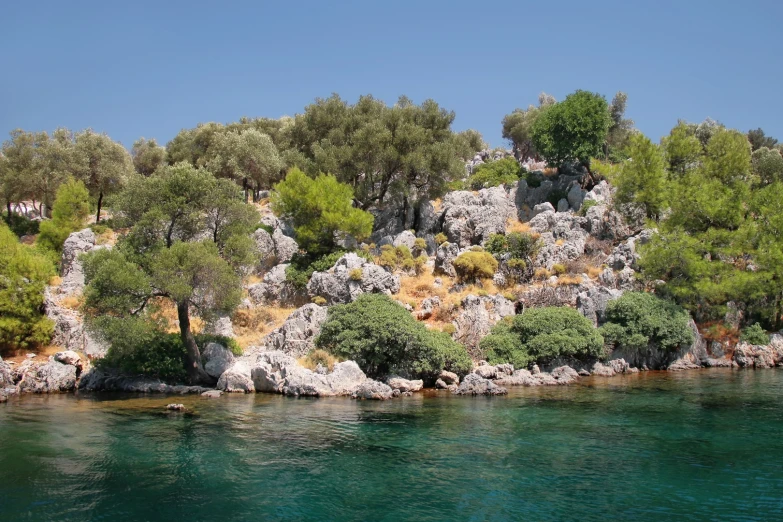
(100, 200)
(192, 357)
(244, 187)
(8, 207)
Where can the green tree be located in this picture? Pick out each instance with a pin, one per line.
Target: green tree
(494, 173)
(767, 164)
(682, 149)
(642, 179)
(164, 256)
(517, 126)
(384, 338)
(71, 208)
(24, 273)
(104, 165)
(621, 129)
(572, 130)
(759, 139)
(147, 156)
(405, 152)
(320, 210)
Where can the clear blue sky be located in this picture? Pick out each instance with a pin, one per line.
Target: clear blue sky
(149, 69)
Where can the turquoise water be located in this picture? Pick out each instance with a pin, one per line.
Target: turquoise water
(702, 445)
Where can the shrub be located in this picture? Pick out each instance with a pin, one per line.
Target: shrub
(517, 264)
(300, 269)
(397, 257)
(541, 273)
(320, 301)
(24, 273)
(99, 228)
(420, 244)
(637, 320)
(355, 274)
(441, 238)
(520, 245)
(754, 334)
(587, 205)
(471, 266)
(559, 269)
(202, 340)
(492, 174)
(541, 334)
(533, 180)
(69, 211)
(21, 225)
(449, 329)
(383, 338)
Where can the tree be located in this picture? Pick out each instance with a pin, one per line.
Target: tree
(70, 209)
(517, 126)
(384, 338)
(24, 273)
(758, 139)
(404, 152)
(104, 165)
(20, 163)
(494, 173)
(320, 209)
(682, 149)
(767, 164)
(621, 128)
(572, 130)
(147, 156)
(641, 180)
(164, 256)
(247, 155)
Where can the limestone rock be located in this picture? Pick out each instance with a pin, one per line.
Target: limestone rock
(71, 268)
(237, 379)
(404, 385)
(592, 302)
(212, 394)
(285, 247)
(444, 259)
(337, 286)
(372, 390)
(448, 377)
(216, 359)
(295, 337)
(69, 357)
(51, 377)
(477, 316)
(565, 375)
(470, 218)
(474, 384)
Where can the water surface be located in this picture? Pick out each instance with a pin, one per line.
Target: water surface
(703, 445)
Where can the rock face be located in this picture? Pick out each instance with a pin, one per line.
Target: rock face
(337, 286)
(69, 330)
(275, 289)
(99, 380)
(6, 375)
(474, 384)
(275, 248)
(295, 337)
(216, 359)
(592, 302)
(476, 318)
(754, 356)
(444, 259)
(469, 219)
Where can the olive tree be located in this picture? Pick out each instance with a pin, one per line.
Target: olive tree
(102, 164)
(147, 156)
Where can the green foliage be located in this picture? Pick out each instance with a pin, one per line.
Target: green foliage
(472, 266)
(572, 130)
(767, 165)
(441, 238)
(147, 156)
(758, 139)
(203, 340)
(69, 212)
(321, 210)
(621, 129)
(383, 338)
(754, 334)
(355, 274)
(399, 257)
(300, 269)
(559, 269)
(520, 245)
(517, 126)
(540, 335)
(587, 205)
(246, 155)
(637, 320)
(494, 173)
(641, 180)
(682, 149)
(23, 275)
(420, 244)
(21, 225)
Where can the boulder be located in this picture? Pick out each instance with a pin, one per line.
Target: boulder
(372, 390)
(486, 371)
(71, 268)
(592, 302)
(470, 218)
(444, 259)
(212, 394)
(759, 356)
(562, 205)
(111, 380)
(266, 248)
(6, 375)
(274, 289)
(565, 375)
(337, 286)
(237, 379)
(50, 377)
(295, 337)
(216, 359)
(543, 207)
(404, 385)
(221, 326)
(277, 372)
(405, 238)
(69, 357)
(474, 384)
(448, 377)
(477, 316)
(576, 196)
(285, 247)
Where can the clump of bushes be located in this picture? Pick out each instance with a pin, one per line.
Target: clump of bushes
(441, 238)
(559, 269)
(300, 269)
(754, 334)
(637, 320)
(21, 225)
(520, 245)
(394, 258)
(383, 338)
(24, 272)
(492, 174)
(555, 196)
(472, 266)
(540, 335)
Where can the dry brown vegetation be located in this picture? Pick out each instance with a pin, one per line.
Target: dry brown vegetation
(316, 357)
(515, 225)
(569, 279)
(252, 324)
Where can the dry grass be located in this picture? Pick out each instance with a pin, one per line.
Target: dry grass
(550, 171)
(542, 274)
(56, 281)
(437, 204)
(20, 355)
(569, 279)
(316, 357)
(719, 332)
(72, 302)
(560, 242)
(252, 324)
(107, 238)
(515, 225)
(253, 279)
(593, 272)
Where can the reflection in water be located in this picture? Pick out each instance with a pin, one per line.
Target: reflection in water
(690, 446)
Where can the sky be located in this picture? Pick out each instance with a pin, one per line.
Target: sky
(134, 69)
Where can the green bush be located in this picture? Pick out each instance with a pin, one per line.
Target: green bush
(492, 174)
(533, 180)
(541, 334)
(356, 274)
(69, 211)
(202, 340)
(400, 257)
(300, 269)
(754, 334)
(472, 266)
(637, 320)
(383, 338)
(23, 275)
(420, 244)
(559, 269)
(587, 205)
(441, 238)
(21, 225)
(519, 245)
(140, 347)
